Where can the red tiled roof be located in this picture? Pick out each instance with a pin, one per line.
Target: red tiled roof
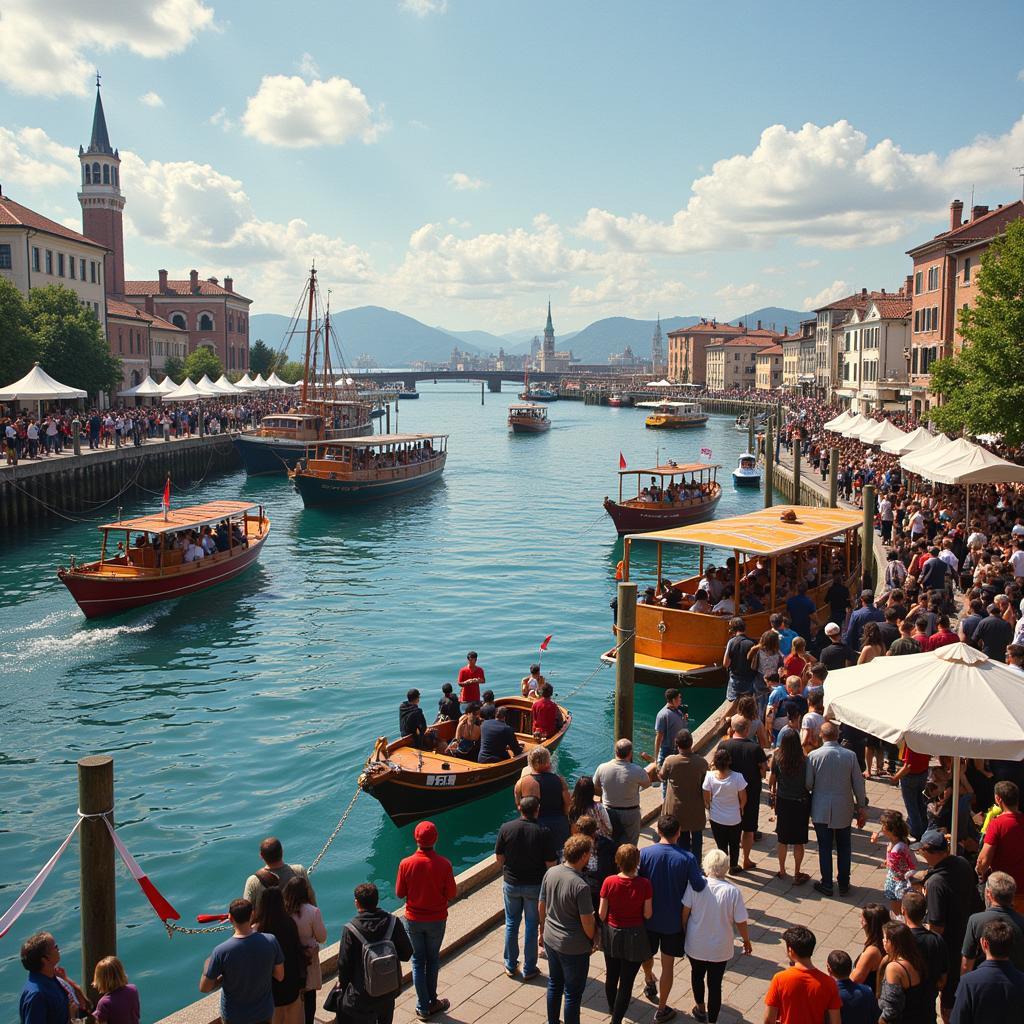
(13, 214)
(707, 328)
(774, 350)
(115, 307)
(749, 342)
(988, 225)
(893, 308)
(857, 300)
(182, 288)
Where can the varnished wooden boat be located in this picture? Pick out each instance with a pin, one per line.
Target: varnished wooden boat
(136, 576)
(688, 646)
(674, 415)
(528, 418)
(413, 784)
(635, 515)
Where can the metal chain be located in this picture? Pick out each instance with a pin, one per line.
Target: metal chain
(172, 927)
(337, 828)
(601, 665)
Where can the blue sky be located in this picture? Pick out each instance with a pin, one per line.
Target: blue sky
(463, 160)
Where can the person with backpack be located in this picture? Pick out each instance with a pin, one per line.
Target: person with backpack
(374, 945)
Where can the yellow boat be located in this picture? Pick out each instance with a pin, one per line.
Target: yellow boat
(674, 415)
(761, 547)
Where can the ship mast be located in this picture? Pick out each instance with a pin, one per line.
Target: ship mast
(309, 333)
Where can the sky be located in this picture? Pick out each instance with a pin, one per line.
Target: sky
(464, 160)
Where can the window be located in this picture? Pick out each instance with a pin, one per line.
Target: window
(106, 174)
(35, 258)
(913, 360)
(231, 323)
(114, 173)
(967, 270)
(5, 256)
(87, 175)
(178, 319)
(918, 277)
(206, 322)
(81, 269)
(933, 278)
(49, 261)
(60, 264)
(71, 267)
(935, 318)
(96, 173)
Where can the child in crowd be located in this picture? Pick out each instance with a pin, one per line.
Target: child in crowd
(119, 1001)
(899, 859)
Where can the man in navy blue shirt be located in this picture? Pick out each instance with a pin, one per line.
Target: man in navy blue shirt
(994, 991)
(859, 1003)
(43, 999)
(670, 870)
(867, 612)
(800, 609)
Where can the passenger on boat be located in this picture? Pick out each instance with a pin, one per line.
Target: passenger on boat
(532, 683)
(412, 722)
(238, 536)
(727, 605)
(497, 740)
(701, 605)
(208, 544)
(547, 718)
(448, 707)
(471, 675)
(487, 701)
(672, 598)
(649, 596)
(467, 734)
(221, 538)
(194, 551)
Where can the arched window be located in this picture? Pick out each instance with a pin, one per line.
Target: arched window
(136, 378)
(178, 319)
(88, 175)
(106, 174)
(205, 322)
(231, 323)
(96, 173)
(114, 172)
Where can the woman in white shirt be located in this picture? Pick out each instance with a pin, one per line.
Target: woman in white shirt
(725, 797)
(708, 920)
(312, 932)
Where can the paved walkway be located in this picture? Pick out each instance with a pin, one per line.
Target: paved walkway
(475, 982)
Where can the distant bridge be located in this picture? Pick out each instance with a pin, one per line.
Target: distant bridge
(493, 378)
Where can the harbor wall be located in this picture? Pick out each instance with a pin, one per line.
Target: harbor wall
(92, 485)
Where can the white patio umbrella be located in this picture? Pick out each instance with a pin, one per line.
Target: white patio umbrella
(911, 442)
(166, 386)
(225, 385)
(919, 699)
(883, 430)
(38, 386)
(186, 391)
(245, 383)
(836, 424)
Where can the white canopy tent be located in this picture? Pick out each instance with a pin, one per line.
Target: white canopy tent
(660, 383)
(207, 389)
(855, 424)
(186, 391)
(920, 699)
(225, 385)
(341, 382)
(260, 384)
(907, 443)
(837, 423)
(245, 383)
(166, 386)
(275, 382)
(146, 389)
(883, 430)
(38, 386)
(921, 456)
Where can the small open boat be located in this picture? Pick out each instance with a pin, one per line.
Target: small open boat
(674, 415)
(412, 784)
(137, 575)
(528, 418)
(696, 492)
(747, 472)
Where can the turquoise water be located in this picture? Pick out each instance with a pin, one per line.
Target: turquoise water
(249, 710)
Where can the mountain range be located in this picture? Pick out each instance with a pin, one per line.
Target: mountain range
(394, 339)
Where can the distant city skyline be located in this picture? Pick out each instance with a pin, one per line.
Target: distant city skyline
(463, 161)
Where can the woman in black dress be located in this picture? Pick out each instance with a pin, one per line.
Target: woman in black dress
(788, 789)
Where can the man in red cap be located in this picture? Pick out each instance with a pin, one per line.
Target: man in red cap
(427, 884)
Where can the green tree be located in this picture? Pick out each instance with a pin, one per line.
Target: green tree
(17, 345)
(982, 387)
(71, 343)
(174, 367)
(263, 359)
(291, 371)
(201, 361)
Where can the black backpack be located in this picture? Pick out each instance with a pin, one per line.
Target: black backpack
(382, 970)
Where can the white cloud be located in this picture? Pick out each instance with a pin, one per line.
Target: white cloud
(818, 185)
(836, 290)
(288, 111)
(29, 157)
(423, 8)
(49, 48)
(308, 67)
(749, 292)
(219, 119)
(464, 183)
(151, 99)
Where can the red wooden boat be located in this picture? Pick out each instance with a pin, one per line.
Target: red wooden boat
(139, 574)
(698, 493)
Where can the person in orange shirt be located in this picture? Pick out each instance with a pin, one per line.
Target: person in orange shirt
(802, 994)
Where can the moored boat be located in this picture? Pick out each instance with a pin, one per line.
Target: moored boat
(747, 472)
(764, 554)
(528, 418)
(358, 469)
(677, 494)
(412, 784)
(674, 415)
(138, 574)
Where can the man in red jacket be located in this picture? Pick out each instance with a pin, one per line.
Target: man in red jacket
(427, 884)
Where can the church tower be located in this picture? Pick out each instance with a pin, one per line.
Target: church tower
(101, 198)
(547, 352)
(657, 349)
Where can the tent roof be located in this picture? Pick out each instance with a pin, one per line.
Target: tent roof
(837, 423)
(259, 381)
(885, 430)
(186, 391)
(906, 443)
(856, 425)
(920, 699)
(961, 462)
(145, 389)
(167, 386)
(275, 382)
(207, 388)
(225, 385)
(922, 455)
(245, 382)
(38, 386)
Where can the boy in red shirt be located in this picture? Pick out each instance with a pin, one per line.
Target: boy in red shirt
(801, 994)
(545, 713)
(471, 676)
(1003, 847)
(427, 884)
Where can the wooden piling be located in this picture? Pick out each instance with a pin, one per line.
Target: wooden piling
(98, 889)
(625, 660)
(769, 463)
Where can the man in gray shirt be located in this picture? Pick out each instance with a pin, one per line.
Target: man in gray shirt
(618, 784)
(567, 929)
(837, 796)
(276, 874)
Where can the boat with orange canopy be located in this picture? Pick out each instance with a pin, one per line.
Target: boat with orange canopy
(766, 553)
(694, 488)
(130, 574)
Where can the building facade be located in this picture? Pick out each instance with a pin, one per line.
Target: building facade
(732, 363)
(875, 351)
(768, 368)
(142, 340)
(687, 349)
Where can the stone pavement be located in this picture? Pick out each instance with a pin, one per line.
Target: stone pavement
(474, 979)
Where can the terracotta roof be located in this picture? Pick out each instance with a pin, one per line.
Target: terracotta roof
(857, 300)
(115, 307)
(13, 214)
(182, 288)
(893, 308)
(749, 342)
(988, 225)
(707, 328)
(774, 350)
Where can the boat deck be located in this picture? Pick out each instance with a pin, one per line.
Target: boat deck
(409, 758)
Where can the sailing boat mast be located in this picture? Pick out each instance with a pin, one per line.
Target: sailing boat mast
(309, 333)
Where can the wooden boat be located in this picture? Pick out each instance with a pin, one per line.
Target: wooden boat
(134, 576)
(528, 418)
(358, 469)
(747, 472)
(674, 415)
(633, 515)
(412, 784)
(536, 394)
(687, 646)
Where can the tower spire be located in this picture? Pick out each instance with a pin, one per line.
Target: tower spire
(100, 141)
(549, 326)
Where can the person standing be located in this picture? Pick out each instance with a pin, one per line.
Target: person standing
(672, 718)
(274, 873)
(736, 661)
(618, 783)
(274, 920)
(993, 634)
(792, 802)
(724, 798)
(838, 795)
(836, 654)
(1003, 846)
(802, 994)
(859, 1003)
(671, 871)
(995, 991)
(471, 675)
(370, 925)
(524, 850)
(929, 945)
(427, 884)
(709, 917)
(567, 930)
(682, 774)
(545, 715)
(1000, 890)
(43, 999)
(244, 968)
(312, 934)
(747, 757)
(867, 612)
(551, 791)
(119, 1001)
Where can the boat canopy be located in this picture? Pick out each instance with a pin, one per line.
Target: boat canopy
(671, 469)
(378, 440)
(184, 518)
(763, 532)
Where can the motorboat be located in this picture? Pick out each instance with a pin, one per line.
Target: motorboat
(747, 472)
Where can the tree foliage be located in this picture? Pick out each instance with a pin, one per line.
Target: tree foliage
(201, 361)
(291, 371)
(174, 367)
(17, 344)
(263, 359)
(70, 340)
(982, 387)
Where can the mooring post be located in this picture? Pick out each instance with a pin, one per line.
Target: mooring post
(796, 469)
(867, 538)
(481, 392)
(769, 463)
(750, 430)
(833, 478)
(98, 890)
(625, 660)
(387, 417)
(76, 435)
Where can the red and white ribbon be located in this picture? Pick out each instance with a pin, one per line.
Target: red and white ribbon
(19, 905)
(163, 909)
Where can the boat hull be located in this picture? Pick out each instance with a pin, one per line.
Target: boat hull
(264, 455)
(98, 596)
(634, 519)
(538, 396)
(657, 423)
(317, 492)
(746, 479)
(532, 427)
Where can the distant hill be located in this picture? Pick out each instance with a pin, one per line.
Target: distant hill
(594, 344)
(775, 318)
(482, 340)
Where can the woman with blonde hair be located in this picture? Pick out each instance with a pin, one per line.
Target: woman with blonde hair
(119, 1001)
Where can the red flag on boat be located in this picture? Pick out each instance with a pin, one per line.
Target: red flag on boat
(622, 461)
(167, 494)
(546, 641)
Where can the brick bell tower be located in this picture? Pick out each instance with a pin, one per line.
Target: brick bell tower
(101, 198)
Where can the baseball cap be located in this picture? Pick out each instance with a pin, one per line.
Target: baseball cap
(425, 834)
(831, 628)
(933, 839)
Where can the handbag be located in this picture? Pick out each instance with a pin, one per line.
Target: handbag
(332, 1004)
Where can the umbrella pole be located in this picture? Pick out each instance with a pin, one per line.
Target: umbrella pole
(967, 513)
(956, 803)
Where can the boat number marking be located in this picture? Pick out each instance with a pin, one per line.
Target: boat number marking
(440, 780)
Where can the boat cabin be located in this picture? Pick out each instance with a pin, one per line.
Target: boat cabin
(757, 561)
(527, 410)
(382, 456)
(297, 426)
(671, 484)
